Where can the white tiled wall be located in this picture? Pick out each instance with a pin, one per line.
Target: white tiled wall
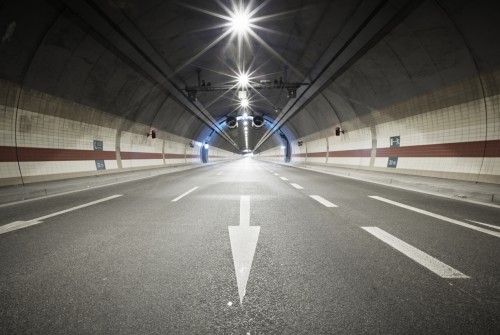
(274, 154)
(45, 131)
(466, 122)
(7, 126)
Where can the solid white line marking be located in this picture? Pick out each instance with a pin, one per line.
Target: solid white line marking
(184, 194)
(485, 224)
(323, 201)
(245, 211)
(297, 186)
(22, 224)
(441, 269)
(437, 216)
(283, 178)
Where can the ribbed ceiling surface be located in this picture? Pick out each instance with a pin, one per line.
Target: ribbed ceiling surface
(135, 58)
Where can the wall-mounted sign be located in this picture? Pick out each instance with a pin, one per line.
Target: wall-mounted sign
(99, 164)
(392, 162)
(98, 145)
(395, 141)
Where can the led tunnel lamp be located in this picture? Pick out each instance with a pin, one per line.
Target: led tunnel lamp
(240, 22)
(244, 103)
(231, 122)
(258, 121)
(243, 80)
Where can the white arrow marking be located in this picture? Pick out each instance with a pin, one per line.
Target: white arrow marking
(243, 244)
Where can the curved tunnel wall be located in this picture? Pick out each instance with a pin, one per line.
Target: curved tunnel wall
(48, 138)
(431, 87)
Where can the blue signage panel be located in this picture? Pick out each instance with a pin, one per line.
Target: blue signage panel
(99, 164)
(392, 162)
(395, 141)
(98, 145)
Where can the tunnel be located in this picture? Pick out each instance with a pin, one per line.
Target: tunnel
(249, 167)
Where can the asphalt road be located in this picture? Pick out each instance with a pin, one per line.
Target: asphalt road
(127, 259)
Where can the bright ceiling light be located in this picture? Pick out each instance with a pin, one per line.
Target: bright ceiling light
(245, 123)
(243, 80)
(244, 104)
(240, 22)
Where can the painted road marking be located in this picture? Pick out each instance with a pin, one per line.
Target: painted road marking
(219, 173)
(276, 174)
(244, 211)
(437, 216)
(243, 239)
(323, 201)
(184, 194)
(283, 178)
(485, 224)
(297, 186)
(271, 171)
(23, 224)
(441, 269)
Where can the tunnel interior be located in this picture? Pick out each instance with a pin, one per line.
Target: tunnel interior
(423, 72)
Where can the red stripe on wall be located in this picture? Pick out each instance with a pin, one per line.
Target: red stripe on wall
(140, 155)
(492, 149)
(463, 149)
(351, 153)
(8, 154)
(46, 154)
(316, 154)
(174, 156)
(341, 153)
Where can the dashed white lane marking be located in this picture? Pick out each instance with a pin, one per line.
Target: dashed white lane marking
(276, 174)
(184, 194)
(283, 178)
(437, 216)
(297, 186)
(485, 224)
(23, 224)
(271, 171)
(219, 173)
(323, 201)
(441, 269)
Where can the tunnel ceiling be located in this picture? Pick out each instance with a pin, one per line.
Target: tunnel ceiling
(144, 59)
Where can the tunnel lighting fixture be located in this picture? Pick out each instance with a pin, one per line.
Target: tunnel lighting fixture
(206, 146)
(244, 103)
(243, 81)
(240, 22)
(242, 95)
(257, 121)
(231, 122)
(245, 123)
